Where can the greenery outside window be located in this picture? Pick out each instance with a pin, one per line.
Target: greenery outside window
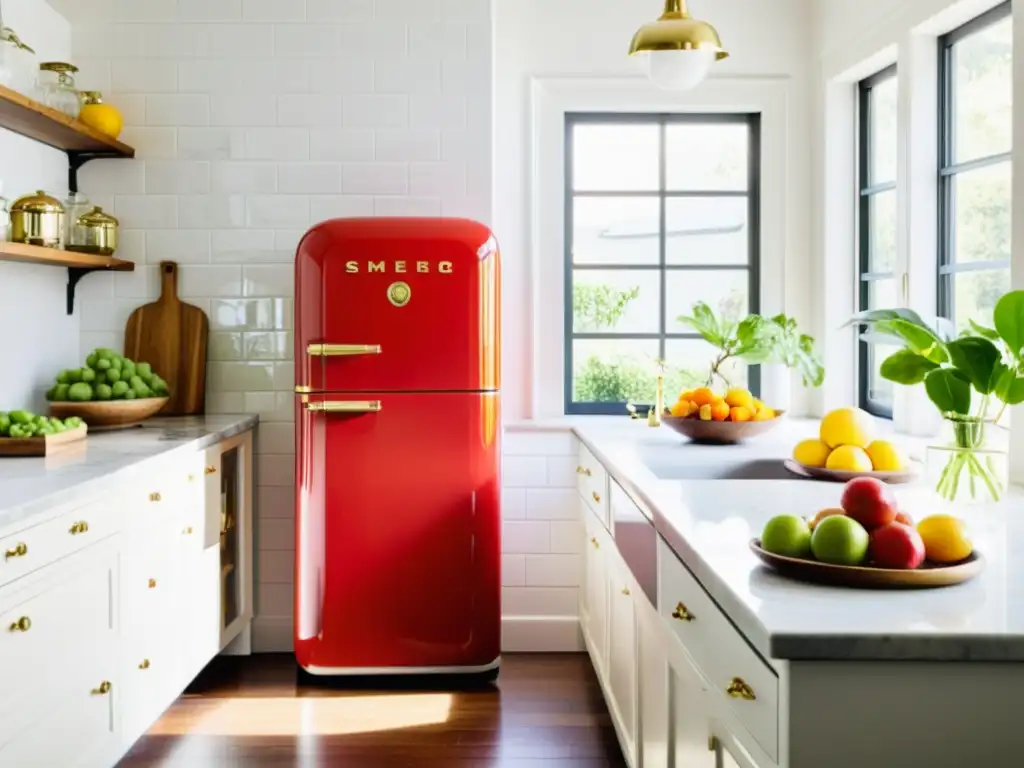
(975, 139)
(661, 211)
(877, 227)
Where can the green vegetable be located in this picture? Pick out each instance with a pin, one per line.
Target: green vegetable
(159, 386)
(72, 422)
(62, 378)
(116, 362)
(92, 360)
(104, 392)
(16, 430)
(113, 374)
(88, 375)
(21, 417)
(105, 353)
(120, 388)
(58, 425)
(51, 393)
(61, 395)
(45, 429)
(73, 375)
(101, 378)
(80, 392)
(130, 395)
(5, 423)
(144, 370)
(103, 364)
(127, 369)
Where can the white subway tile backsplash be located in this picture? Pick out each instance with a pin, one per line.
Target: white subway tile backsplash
(262, 77)
(375, 178)
(93, 74)
(114, 177)
(143, 76)
(184, 246)
(332, 10)
(274, 10)
(131, 246)
(567, 537)
(269, 280)
(287, 240)
(407, 76)
(447, 111)
(143, 283)
(410, 10)
(104, 40)
(438, 179)
(539, 601)
(284, 376)
(239, 40)
(244, 377)
(243, 109)
(530, 443)
(314, 110)
(131, 105)
(408, 145)
(150, 10)
(277, 535)
(204, 282)
(209, 10)
(277, 210)
(553, 570)
(211, 143)
(562, 471)
(147, 211)
(325, 207)
(276, 438)
(513, 570)
(240, 246)
(513, 503)
(149, 143)
(268, 345)
(243, 177)
(181, 110)
(303, 178)
(225, 346)
(271, 406)
(306, 39)
(267, 314)
(277, 144)
(464, 10)
(275, 567)
(181, 177)
(406, 206)
(275, 503)
(224, 402)
(211, 211)
(274, 600)
(525, 537)
(524, 472)
(440, 40)
(548, 503)
(374, 40)
(341, 145)
(375, 111)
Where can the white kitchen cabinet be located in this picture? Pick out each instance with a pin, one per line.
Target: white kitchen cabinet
(595, 592)
(654, 737)
(114, 606)
(691, 726)
(622, 655)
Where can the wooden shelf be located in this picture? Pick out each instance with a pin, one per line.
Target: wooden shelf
(34, 254)
(23, 115)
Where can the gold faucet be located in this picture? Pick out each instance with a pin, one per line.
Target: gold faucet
(654, 415)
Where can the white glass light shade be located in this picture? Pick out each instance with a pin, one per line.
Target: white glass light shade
(678, 70)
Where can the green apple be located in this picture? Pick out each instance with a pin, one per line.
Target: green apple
(840, 540)
(787, 535)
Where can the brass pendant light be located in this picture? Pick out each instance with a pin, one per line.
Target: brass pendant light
(678, 50)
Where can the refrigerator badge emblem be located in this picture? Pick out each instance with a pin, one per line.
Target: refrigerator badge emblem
(399, 294)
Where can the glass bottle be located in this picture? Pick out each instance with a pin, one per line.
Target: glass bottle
(57, 87)
(75, 205)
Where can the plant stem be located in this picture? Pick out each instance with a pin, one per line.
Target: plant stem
(716, 369)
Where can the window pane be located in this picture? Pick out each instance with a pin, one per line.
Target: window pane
(981, 206)
(882, 294)
(707, 156)
(687, 364)
(613, 371)
(620, 301)
(727, 292)
(983, 92)
(882, 145)
(616, 230)
(882, 227)
(975, 295)
(707, 230)
(879, 390)
(609, 158)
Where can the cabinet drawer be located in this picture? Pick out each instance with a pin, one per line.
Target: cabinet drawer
(592, 482)
(735, 671)
(31, 549)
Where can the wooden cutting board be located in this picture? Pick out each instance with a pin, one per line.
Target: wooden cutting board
(172, 336)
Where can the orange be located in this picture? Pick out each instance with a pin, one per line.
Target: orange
(703, 396)
(687, 395)
(705, 413)
(740, 413)
(694, 409)
(680, 409)
(740, 398)
(945, 539)
(764, 414)
(720, 410)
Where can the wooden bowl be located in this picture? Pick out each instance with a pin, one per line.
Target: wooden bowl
(110, 414)
(928, 576)
(842, 476)
(719, 432)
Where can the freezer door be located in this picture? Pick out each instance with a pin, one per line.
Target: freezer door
(398, 553)
(397, 305)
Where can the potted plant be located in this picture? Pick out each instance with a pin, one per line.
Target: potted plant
(968, 376)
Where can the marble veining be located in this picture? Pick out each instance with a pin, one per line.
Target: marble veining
(32, 489)
(708, 524)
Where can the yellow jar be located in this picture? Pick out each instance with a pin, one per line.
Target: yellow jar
(103, 117)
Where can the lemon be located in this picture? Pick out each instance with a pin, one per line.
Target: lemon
(740, 398)
(811, 453)
(885, 457)
(945, 539)
(849, 458)
(847, 426)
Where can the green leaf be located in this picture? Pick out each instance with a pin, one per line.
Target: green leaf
(871, 316)
(1015, 394)
(907, 367)
(807, 362)
(976, 358)
(1009, 321)
(704, 322)
(950, 390)
(986, 333)
(757, 337)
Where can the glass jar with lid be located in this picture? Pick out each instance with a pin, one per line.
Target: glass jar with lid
(57, 87)
(95, 232)
(5, 221)
(76, 204)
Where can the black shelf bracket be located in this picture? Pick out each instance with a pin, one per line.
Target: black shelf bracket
(78, 158)
(74, 275)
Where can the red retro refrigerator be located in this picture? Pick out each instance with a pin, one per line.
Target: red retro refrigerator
(398, 488)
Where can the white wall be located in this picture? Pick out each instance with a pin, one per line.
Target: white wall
(37, 336)
(589, 38)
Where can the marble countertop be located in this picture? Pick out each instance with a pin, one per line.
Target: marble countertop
(709, 523)
(33, 487)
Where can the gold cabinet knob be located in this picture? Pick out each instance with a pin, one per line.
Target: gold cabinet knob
(581, 470)
(18, 550)
(188, 531)
(78, 528)
(210, 471)
(155, 497)
(597, 497)
(24, 624)
(738, 689)
(103, 689)
(712, 743)
(625, 591)
(152, 583)
(682, 613)
(596, 543)
(144, 664)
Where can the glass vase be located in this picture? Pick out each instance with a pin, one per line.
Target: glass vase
(966, 468)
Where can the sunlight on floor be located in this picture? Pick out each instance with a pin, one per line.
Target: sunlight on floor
(312, 716)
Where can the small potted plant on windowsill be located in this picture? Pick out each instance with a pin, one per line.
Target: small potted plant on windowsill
(971, 377)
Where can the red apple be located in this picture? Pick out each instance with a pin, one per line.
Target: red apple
(896, 546)
(903, 517)
(870, 502)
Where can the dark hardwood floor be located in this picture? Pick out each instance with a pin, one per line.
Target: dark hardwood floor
(544, 711)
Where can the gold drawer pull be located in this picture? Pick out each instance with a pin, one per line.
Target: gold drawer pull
(103, 690)
(712, 743)
(625, 591)
(738, 689)
(144, 664)
(682, 613)
(210, 471)
(152, 583)
(344, 406)
(187, 531)
(342, 350)
(595, 542)
(583, 471)
(154, 497)
(24, 624)
(597, 497)
(19, 550)
(80, 527)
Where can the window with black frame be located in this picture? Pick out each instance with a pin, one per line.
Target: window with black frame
(661, 211)
(877, 218)
(976, 120)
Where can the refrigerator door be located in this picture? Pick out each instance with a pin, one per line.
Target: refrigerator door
(397, 305)
(398, 557)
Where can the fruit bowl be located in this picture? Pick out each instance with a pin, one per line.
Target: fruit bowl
(110, 414)
(908, 475)
(719, 432)
(928, 576)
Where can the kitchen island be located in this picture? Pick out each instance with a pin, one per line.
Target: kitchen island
(126, 567)
(707, 658)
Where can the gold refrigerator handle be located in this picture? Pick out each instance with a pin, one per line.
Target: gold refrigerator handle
(344, 406)
(342, 350)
